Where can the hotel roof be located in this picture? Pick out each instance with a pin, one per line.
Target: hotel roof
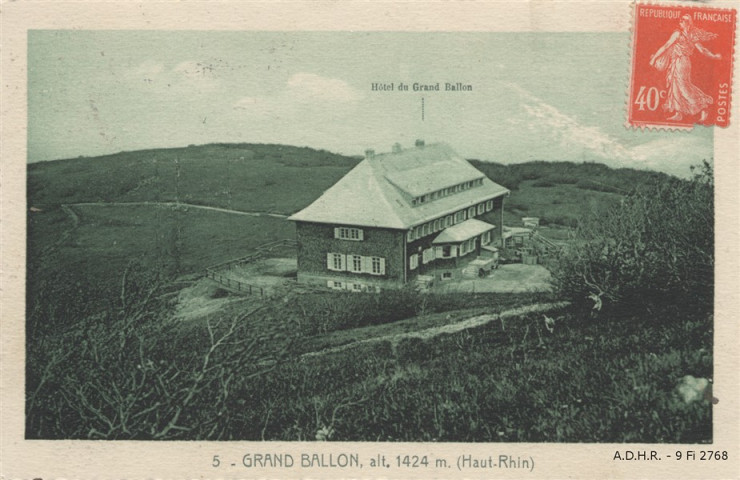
(379, 191)
(463, 231)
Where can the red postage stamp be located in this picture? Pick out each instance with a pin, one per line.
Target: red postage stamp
(681, 66)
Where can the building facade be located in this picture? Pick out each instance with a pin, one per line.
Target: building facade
(414, 213)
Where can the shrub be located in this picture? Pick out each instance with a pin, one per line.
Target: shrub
(653, 252)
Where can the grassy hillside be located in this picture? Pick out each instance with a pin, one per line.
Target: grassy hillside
(560, 193)
(265, 178)
(138, 372)
(93, 248)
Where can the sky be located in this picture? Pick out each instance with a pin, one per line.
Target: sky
(535, 96)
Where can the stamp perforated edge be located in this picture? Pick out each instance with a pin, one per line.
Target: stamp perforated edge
(632, 44)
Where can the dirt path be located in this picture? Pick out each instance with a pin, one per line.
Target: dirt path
(175, 204)
(447, 329)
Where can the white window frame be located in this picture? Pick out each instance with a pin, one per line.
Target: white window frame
(410, 235)
(335, 284)
(336, 261)
(377, 265)
(357, 287)
(481, 208)
(471, 212)
(351, 266)
(489, 205)
(349, 233)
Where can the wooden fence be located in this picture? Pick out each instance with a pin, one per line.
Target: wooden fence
(214, 272)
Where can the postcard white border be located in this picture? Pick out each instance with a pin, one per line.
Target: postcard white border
(100, 460)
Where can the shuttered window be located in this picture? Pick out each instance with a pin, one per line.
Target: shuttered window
(335, 285)
(336, 262)
(339, 262)
(348, 233)
(378, 265)
(355, 263)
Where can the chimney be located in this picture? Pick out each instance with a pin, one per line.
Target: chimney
(396, 148)
(369, 153)
(420, 143)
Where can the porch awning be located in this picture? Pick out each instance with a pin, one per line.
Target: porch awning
(463, 231)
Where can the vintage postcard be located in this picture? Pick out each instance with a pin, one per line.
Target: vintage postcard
(351, 240)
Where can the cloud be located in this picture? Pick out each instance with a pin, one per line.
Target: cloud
(314, 87)
(567, 131)
(303, 91)
(571, 138)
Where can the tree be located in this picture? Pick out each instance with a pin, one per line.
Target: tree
(653, 252)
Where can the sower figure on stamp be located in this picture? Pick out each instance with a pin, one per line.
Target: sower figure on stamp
(683, 97)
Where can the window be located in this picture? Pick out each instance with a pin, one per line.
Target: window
(446, 275)
(463, 248)
(413, 261)
(335, 285)
(413, 202)
(448, 220)
(356, 264)
(378, 266)
(460, 216)
(357, 287)
(335, 261)
(481, 208)
(410, 235)
(347, 233)
(489, 205)
(425, 230)
(417, 232)
(471, 212)
(447, 251)
(486, 238)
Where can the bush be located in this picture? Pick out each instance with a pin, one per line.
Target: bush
(653, 252)
(132, 371)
